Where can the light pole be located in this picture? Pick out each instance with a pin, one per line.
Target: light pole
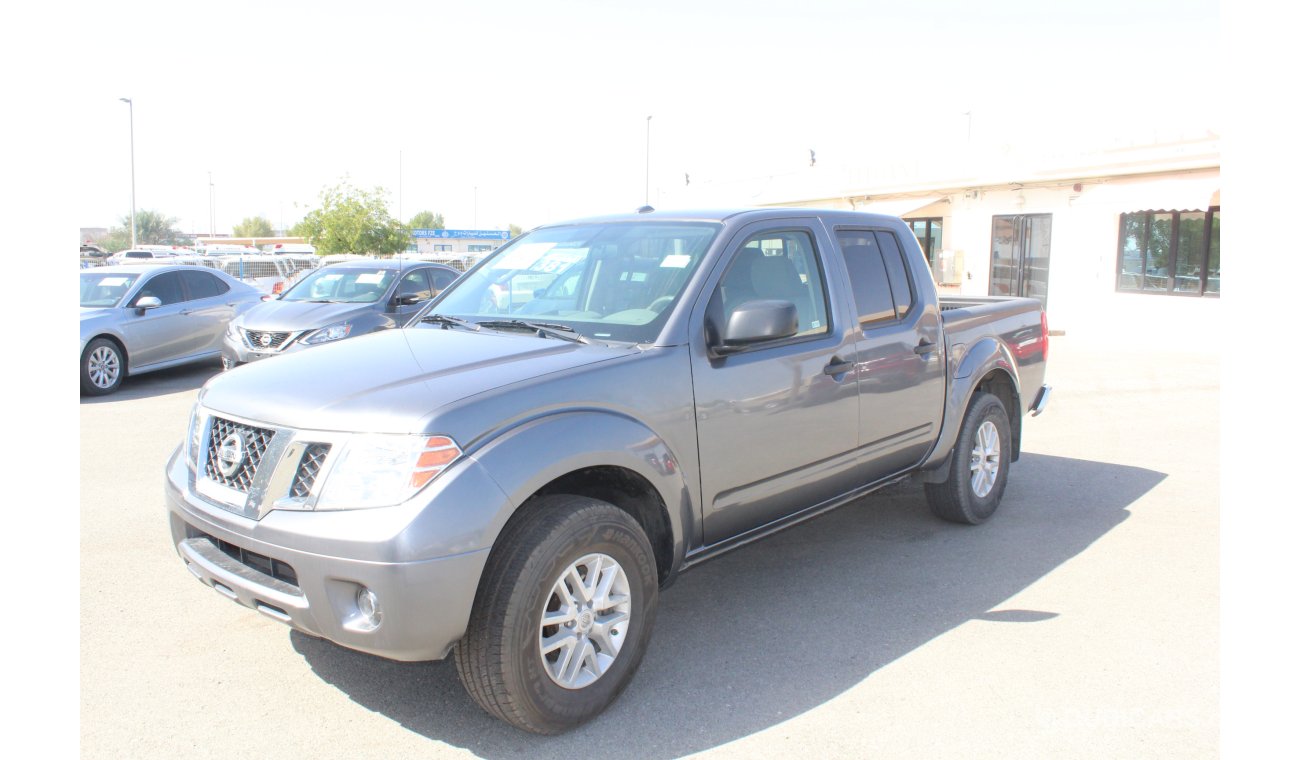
(647, 159)
(131, 111)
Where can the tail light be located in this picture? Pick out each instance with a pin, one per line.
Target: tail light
(1043, 320)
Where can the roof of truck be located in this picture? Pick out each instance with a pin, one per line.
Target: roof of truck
(712, 215)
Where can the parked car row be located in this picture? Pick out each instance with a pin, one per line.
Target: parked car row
(143, 317)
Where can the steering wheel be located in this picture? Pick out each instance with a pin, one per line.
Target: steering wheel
(660, 303)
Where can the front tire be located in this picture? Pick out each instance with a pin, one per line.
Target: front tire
(102, 368)
(981, 461)
(563, 614)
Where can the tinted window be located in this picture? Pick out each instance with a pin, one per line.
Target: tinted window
(867, 276)
(441, 279)
(898, 280)
(203, 284)
(166, 287)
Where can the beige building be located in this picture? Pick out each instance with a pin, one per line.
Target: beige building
(1114, 241)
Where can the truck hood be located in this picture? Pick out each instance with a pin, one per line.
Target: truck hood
(291, 316)
(390, 382)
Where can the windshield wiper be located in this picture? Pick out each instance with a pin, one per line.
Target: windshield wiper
(548, 329)
(446, 321)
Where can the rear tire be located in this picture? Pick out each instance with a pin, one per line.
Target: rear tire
(586, 566)
(979, 466)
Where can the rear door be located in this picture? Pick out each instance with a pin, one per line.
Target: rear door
(777, 425)
(208, 309)
(899, 342)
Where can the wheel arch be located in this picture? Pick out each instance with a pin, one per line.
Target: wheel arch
(988, 366)
(121, 347)
(601, 455)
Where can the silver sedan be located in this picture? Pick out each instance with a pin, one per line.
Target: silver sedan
(140, 318)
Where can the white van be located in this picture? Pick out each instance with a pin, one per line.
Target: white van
(222, 249)
(283, 248)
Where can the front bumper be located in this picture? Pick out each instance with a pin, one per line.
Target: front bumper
(305, 569)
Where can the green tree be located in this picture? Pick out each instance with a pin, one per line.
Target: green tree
(515, 231)
(254, 227)
(351, 220)
(151, 228)
(427, 220)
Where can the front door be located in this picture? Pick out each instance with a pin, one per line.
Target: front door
(778, 423)
(1022, 247)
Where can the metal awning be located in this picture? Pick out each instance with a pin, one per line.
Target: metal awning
(896, 206)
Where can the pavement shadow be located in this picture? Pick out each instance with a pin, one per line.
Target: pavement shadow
(784, 625)
(163, 382)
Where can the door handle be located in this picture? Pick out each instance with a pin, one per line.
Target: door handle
(925, 347)
(837, 366)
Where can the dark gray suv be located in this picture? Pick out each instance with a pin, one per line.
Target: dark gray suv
(335, 302)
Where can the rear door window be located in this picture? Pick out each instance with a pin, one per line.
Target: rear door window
(882, 288)
(203, 284)
(899, 283)
(868, 276)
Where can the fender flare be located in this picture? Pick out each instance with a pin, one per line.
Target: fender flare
(525, 458)
(984, 356)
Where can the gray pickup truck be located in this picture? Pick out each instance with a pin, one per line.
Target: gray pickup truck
(595, 407)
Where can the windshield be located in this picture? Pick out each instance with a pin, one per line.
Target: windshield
(343, 285)
(608, 281)
(101, 290)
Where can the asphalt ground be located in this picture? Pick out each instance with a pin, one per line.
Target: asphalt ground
(1081, 621)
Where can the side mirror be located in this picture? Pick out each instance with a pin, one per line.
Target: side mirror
(410, 299)
(146, 303)
(757, 322)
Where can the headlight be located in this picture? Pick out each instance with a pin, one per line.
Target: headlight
(232, 330)
(327, 334)
(192, 440)
(379, 470)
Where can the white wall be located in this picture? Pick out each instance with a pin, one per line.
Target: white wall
(1085, 241)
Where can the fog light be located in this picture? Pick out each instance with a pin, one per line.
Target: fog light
(368, 605)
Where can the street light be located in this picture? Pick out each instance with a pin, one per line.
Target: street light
(131, 107)
(647, 159)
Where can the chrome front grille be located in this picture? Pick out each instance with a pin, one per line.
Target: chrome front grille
(308, 468)
(266, 340)
(234, 452)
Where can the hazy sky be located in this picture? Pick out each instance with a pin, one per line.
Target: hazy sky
(542, 106)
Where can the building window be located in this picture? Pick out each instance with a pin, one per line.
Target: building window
(480, 248)
(440, 247)
(1169, 253)
(929, 233)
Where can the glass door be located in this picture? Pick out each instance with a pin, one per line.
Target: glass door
(1022, 248)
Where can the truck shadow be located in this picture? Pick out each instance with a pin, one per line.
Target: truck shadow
(782, 626)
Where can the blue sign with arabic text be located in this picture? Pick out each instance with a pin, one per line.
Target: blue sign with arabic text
(462, 234)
